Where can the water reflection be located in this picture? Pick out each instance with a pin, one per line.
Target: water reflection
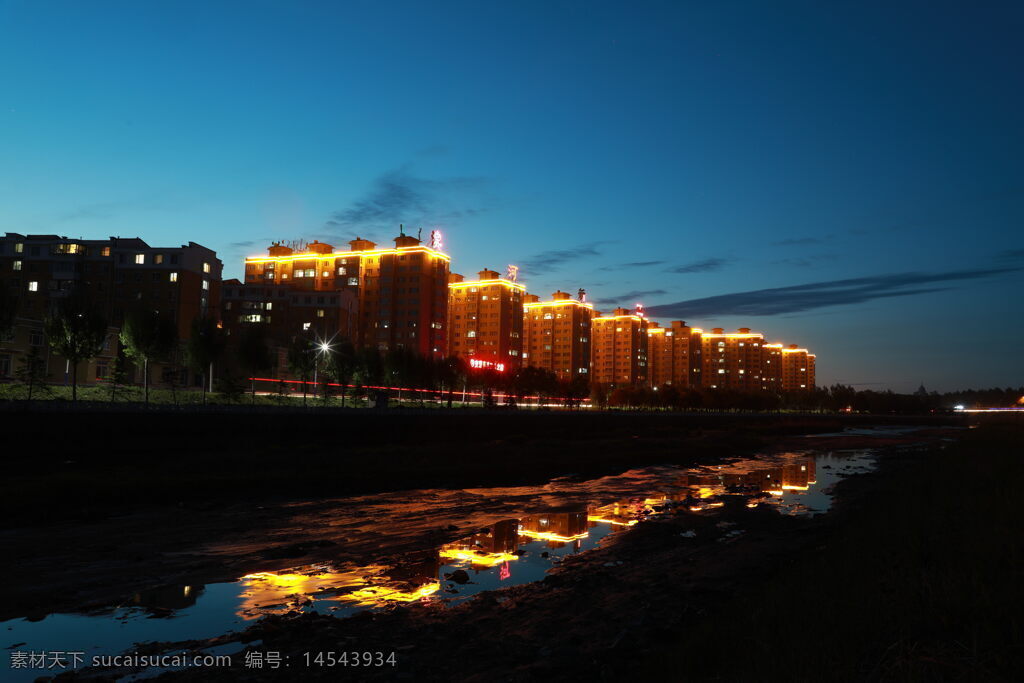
(507, 552)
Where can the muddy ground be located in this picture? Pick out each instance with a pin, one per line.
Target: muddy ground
(628, 596)
(127, 545)
(600, 615)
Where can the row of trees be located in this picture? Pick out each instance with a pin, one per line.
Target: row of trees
(343, 369)
(78, 331)
(836, 398)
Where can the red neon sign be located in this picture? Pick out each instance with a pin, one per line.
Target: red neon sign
(486, 364)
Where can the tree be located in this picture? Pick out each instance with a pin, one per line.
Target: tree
(118, 376)
(147, 335)
(76, 331)
(9, 306)
(302, 361)
(31, 373)
(342, 365)
(254, 354)
(205, 346)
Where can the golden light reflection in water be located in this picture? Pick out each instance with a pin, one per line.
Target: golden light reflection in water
(476, 557)
(376, 595)
(377, 586)
(552, 536)
(265, 592)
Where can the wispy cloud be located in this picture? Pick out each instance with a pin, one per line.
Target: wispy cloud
(102, 211)
(548, 261)
(399, 196)
(630, 296)
(780, 300)
(634, 264)
(805, 261)
(705, 266)
(799, 241)
(249, 244)
(1012, 255)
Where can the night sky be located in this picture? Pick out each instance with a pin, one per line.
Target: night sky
(846, 176)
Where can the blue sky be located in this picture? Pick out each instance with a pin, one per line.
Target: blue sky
(847, 176)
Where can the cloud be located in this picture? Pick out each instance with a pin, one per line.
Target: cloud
(635, 264)
(704, 266)
(798, 241)
(248, 244)
(548, 261)
(1012, 255)
(399, 196)
(817, 295)
(805, 262)
(630, 296)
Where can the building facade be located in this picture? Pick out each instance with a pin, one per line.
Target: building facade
(402, 292)
(771, 367)
(485, 320)
(797, 369)
(674, 355)
(732, 360)
(557, 335)
(115, 275)
(620, 349)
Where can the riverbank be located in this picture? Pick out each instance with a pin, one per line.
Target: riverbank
(103, 462)
(104, 524)
(914, 576)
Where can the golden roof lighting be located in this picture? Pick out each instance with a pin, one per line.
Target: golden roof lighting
(348, 254)
(484, 283)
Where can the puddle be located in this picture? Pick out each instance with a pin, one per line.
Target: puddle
(506, 552)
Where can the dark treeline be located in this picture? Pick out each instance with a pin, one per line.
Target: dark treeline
(342, 370)
(837, 398)
(76, 332)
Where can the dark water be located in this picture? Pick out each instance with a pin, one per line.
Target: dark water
(509, 551)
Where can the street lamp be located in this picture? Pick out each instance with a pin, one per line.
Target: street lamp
(322, 347)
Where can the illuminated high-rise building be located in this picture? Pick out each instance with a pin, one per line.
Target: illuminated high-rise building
(620, 349)
(557, 335)
(674, 354)
(402, 291)
(797, 369)
(732, 360)
(485, 320)
(771, 367)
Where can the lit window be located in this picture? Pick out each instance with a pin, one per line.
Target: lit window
(319, 312)
(206, 267)
(33, 286)
(721, 371)
(471, 333)
(158, 259)
(269, 305)
(140, 259)
(306, 326)
(341, 270)
(105, 251)
(206, 284)
(173, 277)
(326, 273)
(17, 265)
(353, 281)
